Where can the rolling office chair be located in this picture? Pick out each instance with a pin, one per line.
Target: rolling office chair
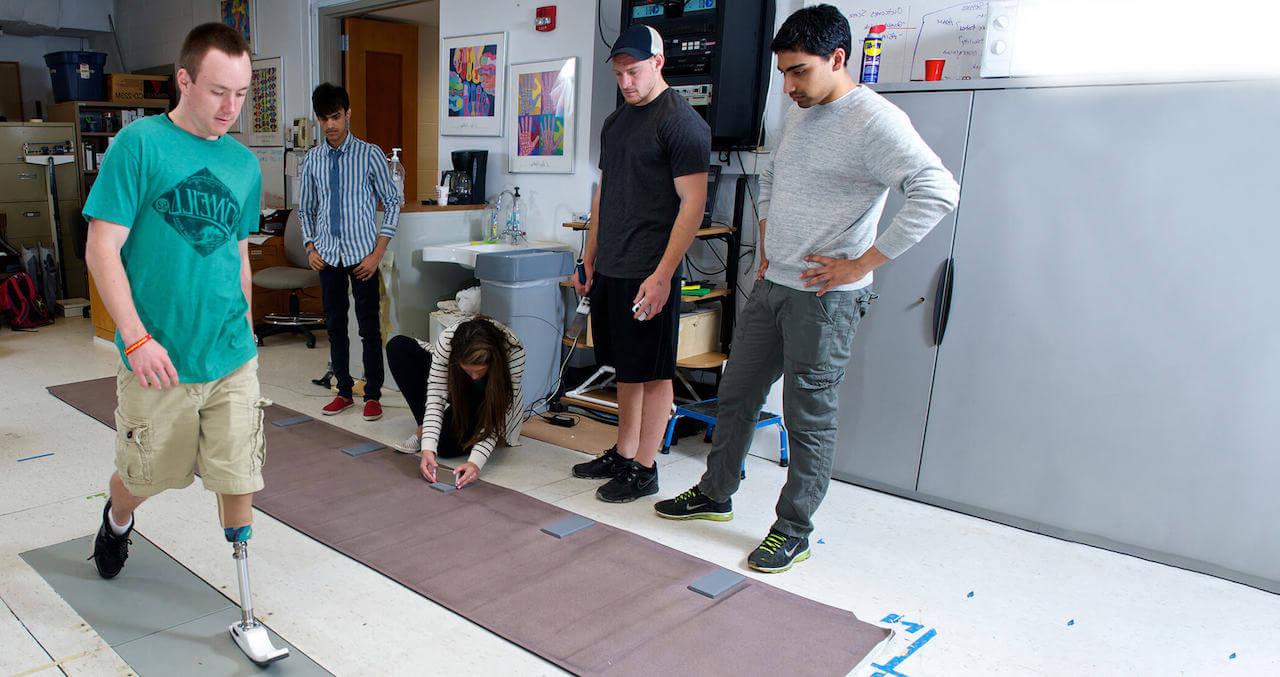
(294, 277)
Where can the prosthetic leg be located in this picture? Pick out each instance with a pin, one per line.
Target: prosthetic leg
(250, 635)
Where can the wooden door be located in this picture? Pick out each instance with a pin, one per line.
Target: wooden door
(380, 71)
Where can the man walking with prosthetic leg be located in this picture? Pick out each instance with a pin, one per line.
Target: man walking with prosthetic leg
(169, 217)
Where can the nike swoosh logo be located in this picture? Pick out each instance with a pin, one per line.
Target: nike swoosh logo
(695, 506)
(792, 550)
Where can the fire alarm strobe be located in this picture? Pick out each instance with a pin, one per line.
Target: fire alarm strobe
(545, 19)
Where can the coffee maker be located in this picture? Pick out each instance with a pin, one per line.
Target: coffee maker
(466, 180)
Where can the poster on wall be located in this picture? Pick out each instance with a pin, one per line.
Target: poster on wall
(472, 70)
(540, 134)
(239, 14)
(262, 116)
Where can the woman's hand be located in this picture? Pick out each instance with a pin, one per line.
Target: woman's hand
(428, 465)
(466, 474)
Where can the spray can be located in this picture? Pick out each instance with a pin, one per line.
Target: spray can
(872, 47)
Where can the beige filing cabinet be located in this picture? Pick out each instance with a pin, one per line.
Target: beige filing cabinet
(24, 197)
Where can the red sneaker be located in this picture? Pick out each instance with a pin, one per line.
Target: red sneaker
(372, 410)
(337, 406)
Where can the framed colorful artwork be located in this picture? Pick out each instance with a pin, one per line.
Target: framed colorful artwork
(542, 118)
(262, 116)
(472, 70)
(240, 15)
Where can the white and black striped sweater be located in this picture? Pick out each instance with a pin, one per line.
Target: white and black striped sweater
(438, 394)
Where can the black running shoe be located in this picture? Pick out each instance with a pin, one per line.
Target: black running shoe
(778, 552)
(109, 550)
(694, 505)
(603, 467)
(634, 481)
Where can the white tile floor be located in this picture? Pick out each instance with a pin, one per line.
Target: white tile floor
(879, 555)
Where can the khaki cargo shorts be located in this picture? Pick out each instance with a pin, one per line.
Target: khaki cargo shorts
(163, 435)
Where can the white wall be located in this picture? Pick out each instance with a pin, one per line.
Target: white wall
(547, 200)
(151, 34)
(29, 53)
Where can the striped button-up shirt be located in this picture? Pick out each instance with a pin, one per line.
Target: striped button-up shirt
(337, 212)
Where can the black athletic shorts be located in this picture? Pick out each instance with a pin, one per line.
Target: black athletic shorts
(638, 351)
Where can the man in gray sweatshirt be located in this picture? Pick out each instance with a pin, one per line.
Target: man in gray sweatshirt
(842, 148)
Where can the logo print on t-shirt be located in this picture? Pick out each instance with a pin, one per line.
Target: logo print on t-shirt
(203, 211)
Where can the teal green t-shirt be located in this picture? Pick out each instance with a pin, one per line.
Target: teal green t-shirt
(187, 202)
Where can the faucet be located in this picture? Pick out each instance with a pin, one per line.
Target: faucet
(512, 232)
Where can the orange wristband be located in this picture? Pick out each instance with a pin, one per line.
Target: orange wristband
(137, 344)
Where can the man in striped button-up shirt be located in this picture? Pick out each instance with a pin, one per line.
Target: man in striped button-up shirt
(340, 180)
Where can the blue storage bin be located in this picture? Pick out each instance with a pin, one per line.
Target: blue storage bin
(77, 76)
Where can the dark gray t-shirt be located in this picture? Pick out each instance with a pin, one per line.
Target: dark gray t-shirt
(643, 149)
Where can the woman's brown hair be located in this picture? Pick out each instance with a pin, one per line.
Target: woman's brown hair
(477, 342)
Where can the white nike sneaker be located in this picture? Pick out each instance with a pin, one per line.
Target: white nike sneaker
(411, 444)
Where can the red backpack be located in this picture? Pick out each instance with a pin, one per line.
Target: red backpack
(21, 306)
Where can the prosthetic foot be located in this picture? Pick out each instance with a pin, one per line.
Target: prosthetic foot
(250, 635)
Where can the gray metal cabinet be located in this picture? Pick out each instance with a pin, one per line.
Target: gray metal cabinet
(885, 396)
(1111, 370)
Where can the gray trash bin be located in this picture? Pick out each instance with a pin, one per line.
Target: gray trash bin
(521, 289)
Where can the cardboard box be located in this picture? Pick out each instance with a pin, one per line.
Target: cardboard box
(139, 90)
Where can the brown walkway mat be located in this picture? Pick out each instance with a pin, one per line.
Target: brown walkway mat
(601, 602)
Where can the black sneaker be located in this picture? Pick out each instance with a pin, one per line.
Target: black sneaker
(694, 505)
(603, 467)
(109, 550)
(634, 481)
(778, 552)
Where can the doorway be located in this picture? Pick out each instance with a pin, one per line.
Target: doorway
(386, 55)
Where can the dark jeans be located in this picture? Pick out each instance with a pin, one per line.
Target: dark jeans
(410, 364)
(333, 285)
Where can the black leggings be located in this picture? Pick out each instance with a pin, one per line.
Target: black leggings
(409, 364)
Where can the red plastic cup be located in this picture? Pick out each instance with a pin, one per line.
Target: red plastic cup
(933, 68)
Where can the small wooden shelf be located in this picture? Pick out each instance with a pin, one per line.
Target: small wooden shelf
(714, 231)
(704, 361)
(710, 231)
(98, 133)
(718, 292)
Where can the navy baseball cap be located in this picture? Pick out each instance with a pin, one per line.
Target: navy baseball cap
(639, 41)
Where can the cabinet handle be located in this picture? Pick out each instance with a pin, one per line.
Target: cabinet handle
(26, 176)
(942, 304)
(31, 215)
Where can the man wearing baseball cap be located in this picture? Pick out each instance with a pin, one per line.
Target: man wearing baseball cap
(654, 153)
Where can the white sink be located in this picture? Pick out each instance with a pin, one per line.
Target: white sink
(464, 253)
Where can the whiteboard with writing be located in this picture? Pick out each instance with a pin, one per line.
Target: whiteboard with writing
(919, 30)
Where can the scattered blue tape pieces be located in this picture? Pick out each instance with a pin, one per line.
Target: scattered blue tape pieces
(291, 421)
(821, 542)
(32, 458)
(716, 583)
(1232, 656)
(363, 448)
(1071, 622)
(889, 668)
(970, 595)
(567, 526)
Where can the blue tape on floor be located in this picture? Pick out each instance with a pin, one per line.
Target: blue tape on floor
(889, 668)
(364, 448)
(32, 458)
(291, 421)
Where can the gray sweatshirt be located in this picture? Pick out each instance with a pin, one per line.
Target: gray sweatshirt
(831, 173)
